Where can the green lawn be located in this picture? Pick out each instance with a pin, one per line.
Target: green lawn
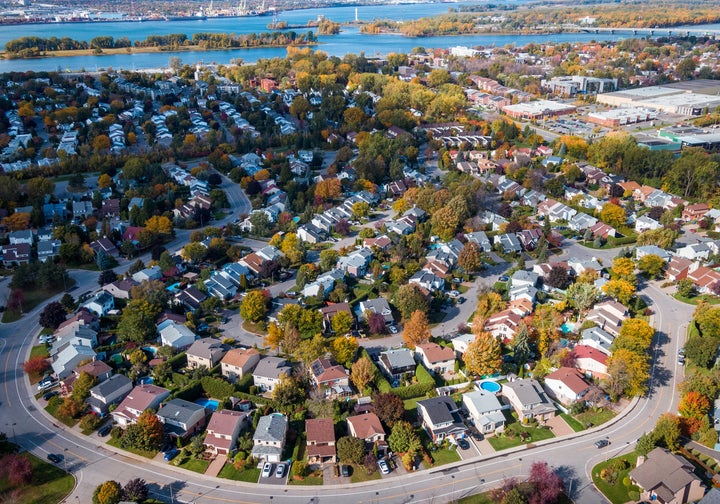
(503, 440)
(359, 474)
(594, 418)
(53, 406)
(444, 456)
(248, 475)
(692, 330)
(616, 493)
(574, 424)
(49, 483)
(41, 351)
(33, 297)
(196, 465)
(307, 480)
(713, 300)
(143, 453)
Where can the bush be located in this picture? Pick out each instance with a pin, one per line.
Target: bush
(626, 481)
(414, 390)
(116, 432)
(634, 495)
(90, 422)
(178, 362)
(216, 387)
(190, 392)
(383, 385)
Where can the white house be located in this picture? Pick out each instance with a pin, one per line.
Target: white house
(175, 335)
(566, 385)
(485, 410)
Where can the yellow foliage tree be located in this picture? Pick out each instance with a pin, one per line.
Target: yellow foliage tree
(417, 330)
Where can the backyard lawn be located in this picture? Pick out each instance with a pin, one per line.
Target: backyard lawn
(49, 483)
(614, 490)
(249, 475)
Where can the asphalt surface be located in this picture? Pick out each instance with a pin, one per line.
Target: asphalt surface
(24, 421)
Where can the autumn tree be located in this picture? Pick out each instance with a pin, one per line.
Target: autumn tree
(36, 365)
(344, 349)
(547, 484)
(288, 393)
(362, 373)
(52, 315)
(408, 299)
(483, 355)
(17, 468)
(417, 330)
(489, 303)
(628, 374)
(109, 492)
(663, 237)
(651, 264)
(470, 257)
(694, 405)
(558, 277)
(389, 408)
(351, 449)
(635, 335)
(194, 252)
(613, 215)
(341, 323)
(136, 490)
(159, 224)
(621, 290)
(254, 306)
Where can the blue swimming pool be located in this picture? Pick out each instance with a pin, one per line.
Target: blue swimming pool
(146, 380)
(150, 349)
(490, 386)
(211, 404)
(567, 327)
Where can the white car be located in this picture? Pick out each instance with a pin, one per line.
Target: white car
(45, 384)
(393, 329)
(384, 468)
(267, 470)
(47, 338)
(453, 293)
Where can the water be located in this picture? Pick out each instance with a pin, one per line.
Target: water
(146, 380)
(490, 386)
(567, 327)
(150, 349)
(211, 404)
(349, 41)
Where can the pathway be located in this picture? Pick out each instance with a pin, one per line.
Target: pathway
(216, 466)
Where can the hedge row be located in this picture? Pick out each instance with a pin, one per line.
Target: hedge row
(414, 390)
(178, 362)
(216, 387)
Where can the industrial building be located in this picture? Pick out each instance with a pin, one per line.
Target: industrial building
(691, 98)
(622, 116)
(539, 109)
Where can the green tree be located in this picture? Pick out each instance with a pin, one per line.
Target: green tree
(645, 444)
(409, 299)
(82, 386)
(254, 306)
(701, 350)
(194, 252)
(693, 174)
(403, 438)
(328, 259)
(341, 323)
(310, 349)
(667, 431)
(582, 296)
(351, 449)
(360, 209)
(137, 322)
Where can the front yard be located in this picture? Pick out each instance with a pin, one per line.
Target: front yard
(143, 453)
(248, 475)
(611, 476)
(49, 483)
(516, 434)
(53, 407)
(592, 418)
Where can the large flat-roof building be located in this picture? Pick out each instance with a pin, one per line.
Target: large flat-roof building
(690, 98)
(538, 109)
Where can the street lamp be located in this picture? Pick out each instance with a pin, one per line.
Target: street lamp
(452, 495)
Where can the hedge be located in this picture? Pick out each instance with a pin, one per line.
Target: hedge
(244, 383)
(414, 390)
(216, 388)
(190, 392)
(179, 361)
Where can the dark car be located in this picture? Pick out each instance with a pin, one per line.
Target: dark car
(104, 430)
(55, 459)
(171, 454)
(460, 300)
(345, 471)
(50, 395)
(462, 443)
(602, 443)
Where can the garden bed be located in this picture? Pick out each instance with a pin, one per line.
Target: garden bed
(615, 490)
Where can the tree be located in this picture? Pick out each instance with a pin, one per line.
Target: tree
(309, 349)
(360, 209)
(151, 430)
(136, 490)
(106, 277)
(254, 306)
(52, 315)
(67, 302)
(417, 330)
(582, 296)
(109, 492)
(686, 288)
(445, 222)
(351, 449)
(547, 484)
(36, 365)
(663, 237)
(409, 299)
(137, 322)
(362, 373)
(17, 468)
(483, 355)
(403, 438)
(389, 408)
(613, 215)
(18, 221)
(622, 290)
(651, 264)
(328, 259)
(341, 323)
(376, 323)
(645, 444)
(344, 349)
(693, 174)
(701, 350)
(558, 277)
(489, 303)
(628, 373)
(667, 431)
(159, 224)
(342, 227)
(470, 257)
(194, 252)
(635, 335)
(104, 181)
(82, 386)
(694, 405)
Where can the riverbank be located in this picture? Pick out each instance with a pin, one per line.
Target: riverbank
(143, 50)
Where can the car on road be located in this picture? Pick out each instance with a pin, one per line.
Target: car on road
(55, 459)
(462, 443)
(169, 455)
(602, 443)
(266, 470)
(393, 329)
(345, 471)
(461, 300)
(280, 471)
(503, 278)
(105, 430)
(384, 467)
(50, 395)
(681, 360)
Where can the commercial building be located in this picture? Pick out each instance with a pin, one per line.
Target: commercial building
(539, 109)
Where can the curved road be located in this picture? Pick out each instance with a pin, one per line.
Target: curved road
(22, 418)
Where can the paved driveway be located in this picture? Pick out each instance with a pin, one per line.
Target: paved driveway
(559, 426)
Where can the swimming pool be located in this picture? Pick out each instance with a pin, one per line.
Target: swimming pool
(567, 327)
(211, 404)
(146, 380)
(150, 349)
(490, 386)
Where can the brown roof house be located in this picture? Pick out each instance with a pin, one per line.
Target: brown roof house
(142, 397)
(223, 430)
(205, 352)
(320, 434)
(666, 478)
(239, 362)
(436, 358)
(367, 427)
(329, 376)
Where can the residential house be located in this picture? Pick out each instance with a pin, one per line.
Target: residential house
(48, 250)
(609, 316)
(566, 385)
(694, 251)
(238, 362)
(595, 337)
(309, 233)
(678, 268)
(223, 430)
(141, 398)
(355, 264)
(485, 411)
(151, 273)
(503, 324)
(269, 437)
(427, 280)
(320, 440)
(509, 243)
(461, 341)
(268, 371)
(581, 221)
(100, 304)
(205, 352)
(175, 335)
(528, 399)
(646, 250)
(436, 358)
(378, 305)
(667, 478)
(220, 286)
(23, 236)
(440, 418)
(111, 391)
(481, 239)
(555, 211)
(591, 361)
(190, 298)
(97, 369)
(367, 427)
(695, 212)
(68, 357)
(602, 230)
(580, 266)
(703, 278)
(16, 255)
(382, 242)
(323, 284)
(182, 418)
(120, 289)
(529, 238)
(82, 209)
(645, 223)
(397, 363)
(523, 278)
(329, 376)
(328, 312)
(105, 245)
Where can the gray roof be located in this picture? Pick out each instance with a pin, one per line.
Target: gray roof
(439, 409)
(483, 401)
(399, 357)
(179, 410)
(271, 428)
(272, 367)
(110, 385)
(653, 249)
(712, 497)
(207, 348)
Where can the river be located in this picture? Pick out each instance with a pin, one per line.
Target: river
(350, 40)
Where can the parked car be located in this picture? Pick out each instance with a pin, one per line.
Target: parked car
(393, 329)
(462, 443)
(384, 467)
(602, 443)
(55, 459)
(105, 430)
(454, 293)
(345, 471)
(681, 352)
(46, 384)
(280, 472)
(461, 300)
(169, 455)
(681, 360)
(50, 395)
(266, 470)
(503, 278)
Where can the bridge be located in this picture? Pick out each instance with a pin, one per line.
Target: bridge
(652, 32)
